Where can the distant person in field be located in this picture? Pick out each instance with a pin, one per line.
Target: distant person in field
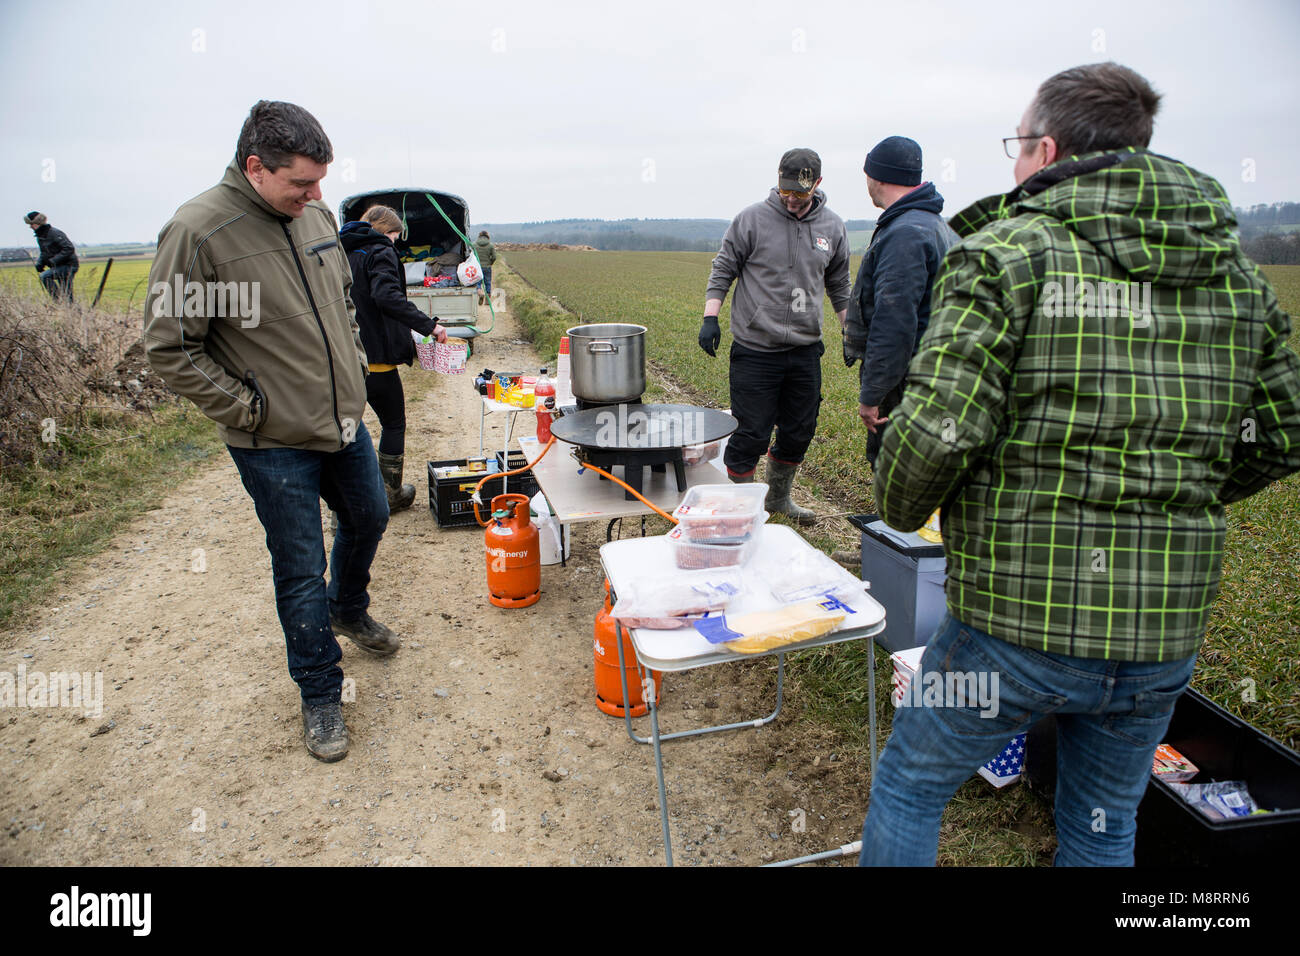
(387, 318)
(278, 363)
(1104, 372)
(57, 253)
(486, 256)
(890, 306)
(783, 254)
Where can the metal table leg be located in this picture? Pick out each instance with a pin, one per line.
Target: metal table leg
(656, 738)
(871, 704)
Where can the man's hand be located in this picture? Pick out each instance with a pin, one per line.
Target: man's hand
(850, 355)
(710, 335)
(870, 415)
(439, 333)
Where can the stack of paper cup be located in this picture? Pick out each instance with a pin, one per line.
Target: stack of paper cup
(906, 664)
(563, 389)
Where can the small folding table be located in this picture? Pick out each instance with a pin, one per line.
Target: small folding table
(631, 560)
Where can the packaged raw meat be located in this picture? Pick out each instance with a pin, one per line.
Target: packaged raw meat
(694, 554)
(677, 600)
(721, 514)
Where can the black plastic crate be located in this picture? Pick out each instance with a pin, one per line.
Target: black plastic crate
(521, 484)
(450, 498)
(1171, 832)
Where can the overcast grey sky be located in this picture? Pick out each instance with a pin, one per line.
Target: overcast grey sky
(117, 112)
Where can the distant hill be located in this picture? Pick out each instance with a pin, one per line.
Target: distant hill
(662, 235)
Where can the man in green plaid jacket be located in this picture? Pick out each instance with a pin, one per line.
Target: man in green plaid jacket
(1104, 371)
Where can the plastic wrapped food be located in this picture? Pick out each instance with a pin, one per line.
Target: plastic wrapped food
(766, 630)
(698, 454)
(692, 555)
(677, 600)
(721, 513)
(1223, 800)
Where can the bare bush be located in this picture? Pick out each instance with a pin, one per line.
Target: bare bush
(57, 363)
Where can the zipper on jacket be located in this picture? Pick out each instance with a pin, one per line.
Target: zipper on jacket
(329, 354)
(320, 247)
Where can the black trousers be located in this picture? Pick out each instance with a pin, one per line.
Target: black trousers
(385, 395)
(773, 389)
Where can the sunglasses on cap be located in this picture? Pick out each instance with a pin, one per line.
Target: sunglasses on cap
(793, 193)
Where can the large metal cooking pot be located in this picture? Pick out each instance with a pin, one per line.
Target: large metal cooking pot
(607, 362)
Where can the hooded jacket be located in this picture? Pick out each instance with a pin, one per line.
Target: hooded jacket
(890, 306)
(781, 266)
(244, 299)
(1105, 369)
(57, 250)
(384, 313)
(485, 252)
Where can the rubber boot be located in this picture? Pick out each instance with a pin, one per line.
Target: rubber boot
(741, 479)
(400, 496)
(780, 479)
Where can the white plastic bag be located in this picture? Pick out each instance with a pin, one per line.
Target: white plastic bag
(470, 272)
(552, 537)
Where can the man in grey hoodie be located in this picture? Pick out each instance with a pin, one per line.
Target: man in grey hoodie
(783, 254)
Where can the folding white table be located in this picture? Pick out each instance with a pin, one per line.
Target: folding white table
(631, 560)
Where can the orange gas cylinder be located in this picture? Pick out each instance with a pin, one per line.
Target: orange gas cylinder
(514, 563)
(609, 688)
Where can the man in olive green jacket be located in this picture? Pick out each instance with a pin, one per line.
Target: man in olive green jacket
(248, 316)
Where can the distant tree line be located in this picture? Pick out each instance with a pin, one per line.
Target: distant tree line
(1270, 232)
(1274, 248)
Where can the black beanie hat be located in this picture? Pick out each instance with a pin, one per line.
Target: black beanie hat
(895, 159)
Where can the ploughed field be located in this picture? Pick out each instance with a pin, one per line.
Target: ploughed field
(1251, 660)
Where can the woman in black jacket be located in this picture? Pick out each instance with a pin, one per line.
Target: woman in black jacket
(386, 318)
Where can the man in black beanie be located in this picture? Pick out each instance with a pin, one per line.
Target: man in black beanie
(57, 252)
(890, 305)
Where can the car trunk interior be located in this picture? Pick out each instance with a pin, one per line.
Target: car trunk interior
(427, 233)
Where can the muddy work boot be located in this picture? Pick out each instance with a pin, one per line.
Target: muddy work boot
(741, 479)
(400, 496)
(367, 633)
(323, 730)
(780, 479)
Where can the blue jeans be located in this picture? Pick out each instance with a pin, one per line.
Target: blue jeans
(487, 280)
(58, 281)
(1111, 715)
(286, 485)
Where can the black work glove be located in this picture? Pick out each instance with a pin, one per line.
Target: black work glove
(38, 270)
(710, 334)
(850, 356)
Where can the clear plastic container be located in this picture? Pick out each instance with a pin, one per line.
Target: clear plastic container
(694, 554)
(722, 514)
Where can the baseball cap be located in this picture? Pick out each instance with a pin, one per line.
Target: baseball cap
(798, 170)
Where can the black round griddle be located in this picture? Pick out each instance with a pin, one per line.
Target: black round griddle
(638, 436)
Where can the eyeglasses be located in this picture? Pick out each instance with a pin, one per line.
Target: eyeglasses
(793, 193)
(1008, 140)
